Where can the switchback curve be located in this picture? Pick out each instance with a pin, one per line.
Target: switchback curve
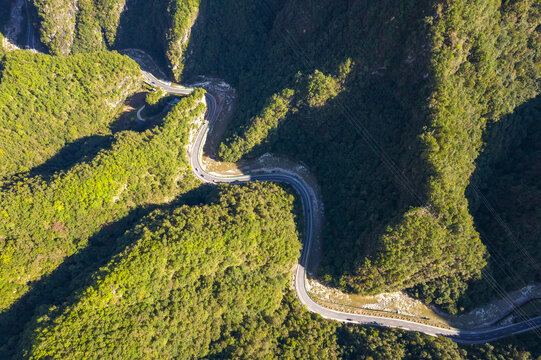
(302, 188)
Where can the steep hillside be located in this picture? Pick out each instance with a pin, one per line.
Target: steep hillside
(210, 281)
(162, 27)
(42, 222)
(505, 199)
(68, 26)
(387, 103)
(348, 76)
(61, 99)
(2, 50)
(486, 61)
(192, 275)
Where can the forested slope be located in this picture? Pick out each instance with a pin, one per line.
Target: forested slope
(505, 200)
(2, 51)
(44, 221)
(191, 278)
(393, 139)
(343, 86)
(486, 61)
(211, 281)
(61, 99)
(162, 27)
(348, 69)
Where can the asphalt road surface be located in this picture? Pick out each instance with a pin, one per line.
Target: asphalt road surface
(165, 85)
(462, 336)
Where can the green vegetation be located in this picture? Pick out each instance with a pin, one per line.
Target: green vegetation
(43, 222)
(153, 97)
(2, 51)
(275, 111)
(162, 27)
(68, 26)
(211, 281)
(57, 24)
(315, 91)
(483, 62)
(62, 99)
(192, 277)
(340, 86)
(368, 343)
(183, 16)
(482, 69)
(507, 180)
(392, 228)
(386, 102)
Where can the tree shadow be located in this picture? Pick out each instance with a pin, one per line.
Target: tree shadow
(4, 15)
(80, 150)
(504, 196)
(85, 149)
(386, 96)
(143, 26)
(57, 288)
(6, 21)
(128, 119)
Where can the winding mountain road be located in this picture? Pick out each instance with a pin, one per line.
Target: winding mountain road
(302, 188)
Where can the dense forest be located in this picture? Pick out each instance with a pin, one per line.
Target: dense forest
(212, 281)
(189, 279)
(2, 51)
(63, 99)
(482, 70)
(504, 194)
(430, 89)
(418, 119)
(161, 27)
(341, 87)
(46, 220)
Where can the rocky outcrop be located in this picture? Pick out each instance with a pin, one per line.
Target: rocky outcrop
(183, 20)
(58, 19)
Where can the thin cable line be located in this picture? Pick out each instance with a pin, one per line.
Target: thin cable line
(402, 179)
(505, 227)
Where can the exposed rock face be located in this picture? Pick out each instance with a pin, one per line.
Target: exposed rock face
(58, 19)
(13, 27)
(183, 20)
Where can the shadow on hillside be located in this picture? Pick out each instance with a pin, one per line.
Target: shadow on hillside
(87, 148)
(13, 29)
(361, 195)
(127, 120)
(505, 197)
(75, 273)
(5, 14)
(144, 26)
(81, 150)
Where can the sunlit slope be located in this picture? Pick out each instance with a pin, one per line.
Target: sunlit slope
(192, 276)
(394, 142)
(161, 27)
(47, 102)
(43, 222)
